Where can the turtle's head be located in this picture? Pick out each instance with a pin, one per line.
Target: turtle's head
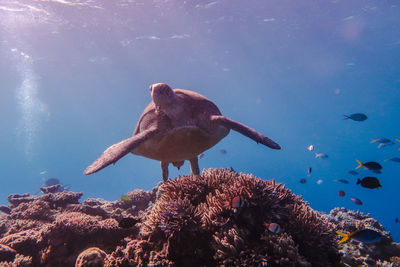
(162, 94)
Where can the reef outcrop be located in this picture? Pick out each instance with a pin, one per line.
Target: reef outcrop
(187, 221)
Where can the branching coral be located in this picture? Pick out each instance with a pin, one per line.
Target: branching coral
(193, 208)
(189, 221)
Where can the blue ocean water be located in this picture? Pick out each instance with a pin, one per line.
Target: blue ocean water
(75, 78)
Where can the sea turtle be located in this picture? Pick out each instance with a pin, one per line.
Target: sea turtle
(177, 125)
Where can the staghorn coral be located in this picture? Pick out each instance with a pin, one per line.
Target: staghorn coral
(185, 222)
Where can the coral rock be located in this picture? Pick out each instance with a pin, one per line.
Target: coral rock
(91, 257)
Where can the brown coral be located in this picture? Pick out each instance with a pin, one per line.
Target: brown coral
(185, 222)
(193, 208)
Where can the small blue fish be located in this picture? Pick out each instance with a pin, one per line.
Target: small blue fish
(367, 236)
(222, 151)
(395, 159)
(382, 142)
(352, 172)
(309, 171)
(344, 181)
(303, 181)
(321, 155)
(356, 117)
(341, 193)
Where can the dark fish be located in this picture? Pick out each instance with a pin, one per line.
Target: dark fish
(236, 202)
(381, 140)
(344, 181)
(51, 181)
(367, 236)
(369, 182)
(201, 155)
(356, 201)
(396, 220)
(352, 172)
(127, 222)
(303, 181)
(222, 151)
(309, 171)
(370, 165)
(341, 193)
(356, 117)
(5, 209)
(395, 159)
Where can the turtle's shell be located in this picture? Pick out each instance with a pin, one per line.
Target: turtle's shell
(183, 138)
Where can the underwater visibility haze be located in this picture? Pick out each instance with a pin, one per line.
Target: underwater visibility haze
(75, 78)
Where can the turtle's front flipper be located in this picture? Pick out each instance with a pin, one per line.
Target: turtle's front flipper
(118, 150)
(245, 130)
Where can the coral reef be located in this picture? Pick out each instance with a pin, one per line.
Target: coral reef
(183, 222)
(382, 253)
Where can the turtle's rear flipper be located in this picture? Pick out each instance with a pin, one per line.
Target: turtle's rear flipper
(245, 130)
(118, 150)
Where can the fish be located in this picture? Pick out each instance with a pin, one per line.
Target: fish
(201, 155)
(236, 202)
(222, 151)
(273, 227)
(321, 155)
(352, 172)
(309, 171)
(369, 182)
(5, 209)
(356, 201)
(344, 181)
(367, 236)
(127, 222)
(341, 193)
(303, 181)
(51, 181)
(356, 117)
(125, 199)
(395, 159)
(370, 165)
(310, 147)
(320, 181)
(396, 220)
(382, 142)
